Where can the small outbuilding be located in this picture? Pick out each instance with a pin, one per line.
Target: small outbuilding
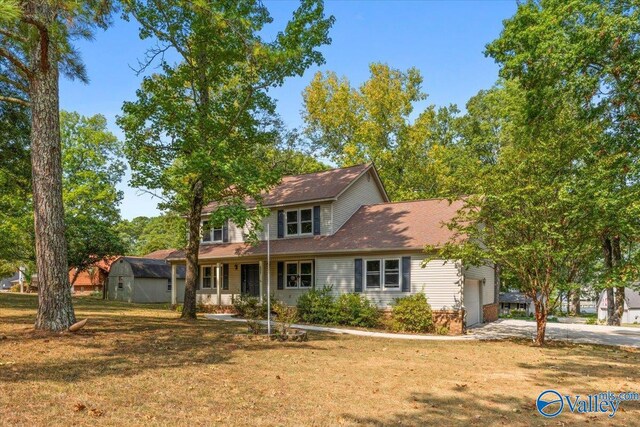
(631, 313)
(143, 280)
(516, 301)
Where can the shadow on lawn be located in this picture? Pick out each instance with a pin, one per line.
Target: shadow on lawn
(465, 408)
(585, 361)
(120, 343)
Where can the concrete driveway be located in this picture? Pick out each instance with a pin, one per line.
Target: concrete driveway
(578, 333)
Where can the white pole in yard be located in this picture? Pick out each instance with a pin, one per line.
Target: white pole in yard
(268, 280)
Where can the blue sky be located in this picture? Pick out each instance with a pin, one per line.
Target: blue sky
(443, 39)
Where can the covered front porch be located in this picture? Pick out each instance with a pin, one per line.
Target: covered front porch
(222, 280)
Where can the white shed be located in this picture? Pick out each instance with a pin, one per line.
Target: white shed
(631, 312)
(143, 280)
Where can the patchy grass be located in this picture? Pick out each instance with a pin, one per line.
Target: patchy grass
(139, 365)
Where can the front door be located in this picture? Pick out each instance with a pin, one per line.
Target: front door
(250, 279)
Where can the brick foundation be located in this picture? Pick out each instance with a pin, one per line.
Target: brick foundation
(452, 319)
(490, 313)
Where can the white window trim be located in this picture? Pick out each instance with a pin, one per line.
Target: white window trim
(382, 286)
(211, 234)
(169, 285)
(299, 222)
(214, 284)
(299, 269)
(366, 274)
(383, 282)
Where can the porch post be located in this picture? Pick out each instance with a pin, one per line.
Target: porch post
(218, 283)
(174, 285)
(261, 264)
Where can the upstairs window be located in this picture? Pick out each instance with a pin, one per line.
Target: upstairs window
(299, 222)
(211, 233)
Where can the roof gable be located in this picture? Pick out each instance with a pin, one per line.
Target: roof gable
(312, 187)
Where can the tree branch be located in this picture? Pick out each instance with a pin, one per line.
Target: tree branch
(14, 83)
(44, 40)
(15, 100)
(12, 35)
(21, 66)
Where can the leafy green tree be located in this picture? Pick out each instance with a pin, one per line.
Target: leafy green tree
(588, 50)
(523, 215)
(36, 45)
(131, 233)
(91, 170)
(373, 123)
(166, 231)
(16, 209)
(197, 128)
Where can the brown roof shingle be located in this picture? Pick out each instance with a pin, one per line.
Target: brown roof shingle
(159, 254)
(325, 185)
(385, 226)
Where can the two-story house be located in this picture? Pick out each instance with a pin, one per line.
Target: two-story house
(338, 228)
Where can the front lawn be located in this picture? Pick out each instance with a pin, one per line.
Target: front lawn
(138, 365)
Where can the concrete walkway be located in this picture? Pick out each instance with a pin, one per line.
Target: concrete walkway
(230, 318)
(502, 329)
(574, 332)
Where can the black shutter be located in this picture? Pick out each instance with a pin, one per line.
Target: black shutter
(316, 220)
(358, 274)
(280, 275)
(406, 274)
(225, 277)
(280, 224)
(225, 231)
(313, 271)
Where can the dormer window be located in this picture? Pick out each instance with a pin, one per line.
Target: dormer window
(299, 222)
(211, 233)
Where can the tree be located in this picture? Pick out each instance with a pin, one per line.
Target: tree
(91, 170)
(196, 130)
(588, 50)
(36, 44)
(16, 209)
(373, 123)
(524, 216)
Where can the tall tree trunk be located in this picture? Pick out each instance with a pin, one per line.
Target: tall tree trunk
(193, 247)
(541, 319)
(619, 294)
(575, 302)
(608, 265)
(55, 310)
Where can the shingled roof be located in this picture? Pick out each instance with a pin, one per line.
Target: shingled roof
(310, 187)
(159, 254)
(152, 268)
(385, 226)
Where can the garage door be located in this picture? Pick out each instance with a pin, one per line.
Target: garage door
(472, 301)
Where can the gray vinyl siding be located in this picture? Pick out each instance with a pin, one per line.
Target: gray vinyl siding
(236, 234)
(439, 280)
(362, 192)
(487, 273)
